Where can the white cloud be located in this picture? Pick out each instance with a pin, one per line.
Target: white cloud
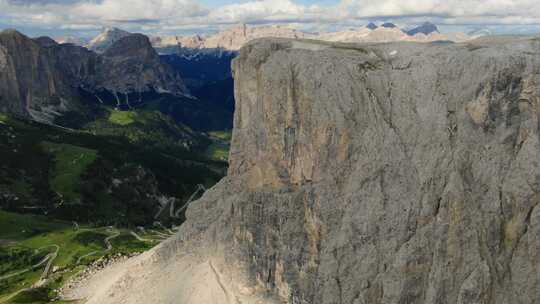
(133, 10)
(263, 10)
(492, 10)
(181, 14)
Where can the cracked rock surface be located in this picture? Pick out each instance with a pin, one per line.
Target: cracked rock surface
(391, 173)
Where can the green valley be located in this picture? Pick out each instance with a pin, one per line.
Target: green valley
(72, 196)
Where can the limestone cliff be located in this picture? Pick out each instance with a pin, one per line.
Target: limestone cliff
(30, 83)
(391, 173)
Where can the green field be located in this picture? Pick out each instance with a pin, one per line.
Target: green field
(25, 240)
(122, 118)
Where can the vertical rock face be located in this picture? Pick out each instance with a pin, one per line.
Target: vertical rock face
(29, 81)
(396, 173)
(134, 58)
(393, 173)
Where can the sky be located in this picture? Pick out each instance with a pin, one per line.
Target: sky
(87, 17)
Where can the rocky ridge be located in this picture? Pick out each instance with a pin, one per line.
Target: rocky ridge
(388, 173)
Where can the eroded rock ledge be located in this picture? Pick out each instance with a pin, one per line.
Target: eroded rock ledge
(391, 173)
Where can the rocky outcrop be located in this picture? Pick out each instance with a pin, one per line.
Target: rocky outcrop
(105, 39)
(41, 79)
(142, 70)
(390, 173)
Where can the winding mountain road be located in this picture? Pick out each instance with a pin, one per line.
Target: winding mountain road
(108, 245)
(49, 259)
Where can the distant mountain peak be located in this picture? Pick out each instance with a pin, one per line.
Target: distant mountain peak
(425, 28)
(129, 43)
(11, 32)
(106, 38)
(388, 25)
(371, 26)
(45, 41)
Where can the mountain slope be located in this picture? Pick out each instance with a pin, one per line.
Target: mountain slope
(395, 173)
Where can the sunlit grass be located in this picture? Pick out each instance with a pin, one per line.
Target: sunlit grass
(225, 135)
(3, 118)
(122, 118)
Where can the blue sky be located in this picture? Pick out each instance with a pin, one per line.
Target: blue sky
(86, 17)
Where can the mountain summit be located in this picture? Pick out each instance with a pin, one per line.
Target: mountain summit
(371, 26)
(426, 28)
(388, 25)
(106, 38)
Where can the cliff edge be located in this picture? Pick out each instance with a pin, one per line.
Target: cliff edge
(374, 173)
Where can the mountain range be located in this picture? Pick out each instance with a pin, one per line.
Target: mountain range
(233, 39)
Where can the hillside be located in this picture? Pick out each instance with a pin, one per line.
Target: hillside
(118, 170)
